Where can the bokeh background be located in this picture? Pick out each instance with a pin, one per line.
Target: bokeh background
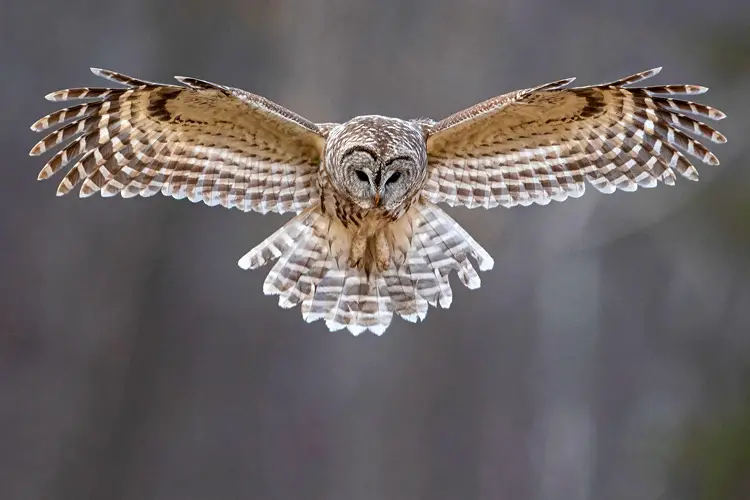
(607, 355)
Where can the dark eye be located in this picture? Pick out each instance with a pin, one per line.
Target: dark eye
(393, 178)
(361, 175)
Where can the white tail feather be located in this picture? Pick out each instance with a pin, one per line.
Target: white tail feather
(312, 270)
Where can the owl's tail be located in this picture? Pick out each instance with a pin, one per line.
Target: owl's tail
(312, 270)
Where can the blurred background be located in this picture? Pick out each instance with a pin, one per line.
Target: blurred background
(607, 355)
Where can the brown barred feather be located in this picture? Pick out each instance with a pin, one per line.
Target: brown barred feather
(538, 144)
(123, 79)
(79, 94)
(198, 84)
(79, 111)
(631, 79)
(215, 144)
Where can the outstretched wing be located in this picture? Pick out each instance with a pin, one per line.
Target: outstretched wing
(200, 141)
(540, 144)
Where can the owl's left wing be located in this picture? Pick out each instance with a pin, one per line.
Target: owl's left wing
(200, 141)
(542, 143)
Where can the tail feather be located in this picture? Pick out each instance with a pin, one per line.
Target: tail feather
(311, 270)
(407, 303)
(359, 303)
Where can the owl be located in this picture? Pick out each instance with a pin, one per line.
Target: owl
(368, 239)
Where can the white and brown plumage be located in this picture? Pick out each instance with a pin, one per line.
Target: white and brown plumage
(368, 239)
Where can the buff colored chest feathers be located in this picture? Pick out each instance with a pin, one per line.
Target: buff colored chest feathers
(374, 237)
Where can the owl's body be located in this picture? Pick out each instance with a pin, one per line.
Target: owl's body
(369, 221)
(368, 239)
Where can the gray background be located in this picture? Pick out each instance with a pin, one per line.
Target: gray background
(138, 361)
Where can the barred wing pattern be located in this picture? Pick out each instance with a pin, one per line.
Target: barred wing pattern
(540, 144)
(201, 141)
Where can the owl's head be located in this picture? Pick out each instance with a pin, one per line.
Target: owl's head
(377, 162)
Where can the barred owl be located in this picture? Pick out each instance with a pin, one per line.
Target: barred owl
(368, 239)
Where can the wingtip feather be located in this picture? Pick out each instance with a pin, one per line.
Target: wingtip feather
(43, 174)
(38, 125)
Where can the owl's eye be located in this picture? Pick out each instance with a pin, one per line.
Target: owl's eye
(393, 178)
(362, 176)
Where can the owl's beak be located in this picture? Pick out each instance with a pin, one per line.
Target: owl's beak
(377, 199)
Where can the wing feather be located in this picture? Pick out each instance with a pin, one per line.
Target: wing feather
(540, 144)
(201, 141)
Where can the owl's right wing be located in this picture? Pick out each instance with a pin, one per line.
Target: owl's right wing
(542, 143)
(201, 141)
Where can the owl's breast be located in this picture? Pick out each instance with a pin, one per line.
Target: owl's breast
(353, 217)
(369, 239)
